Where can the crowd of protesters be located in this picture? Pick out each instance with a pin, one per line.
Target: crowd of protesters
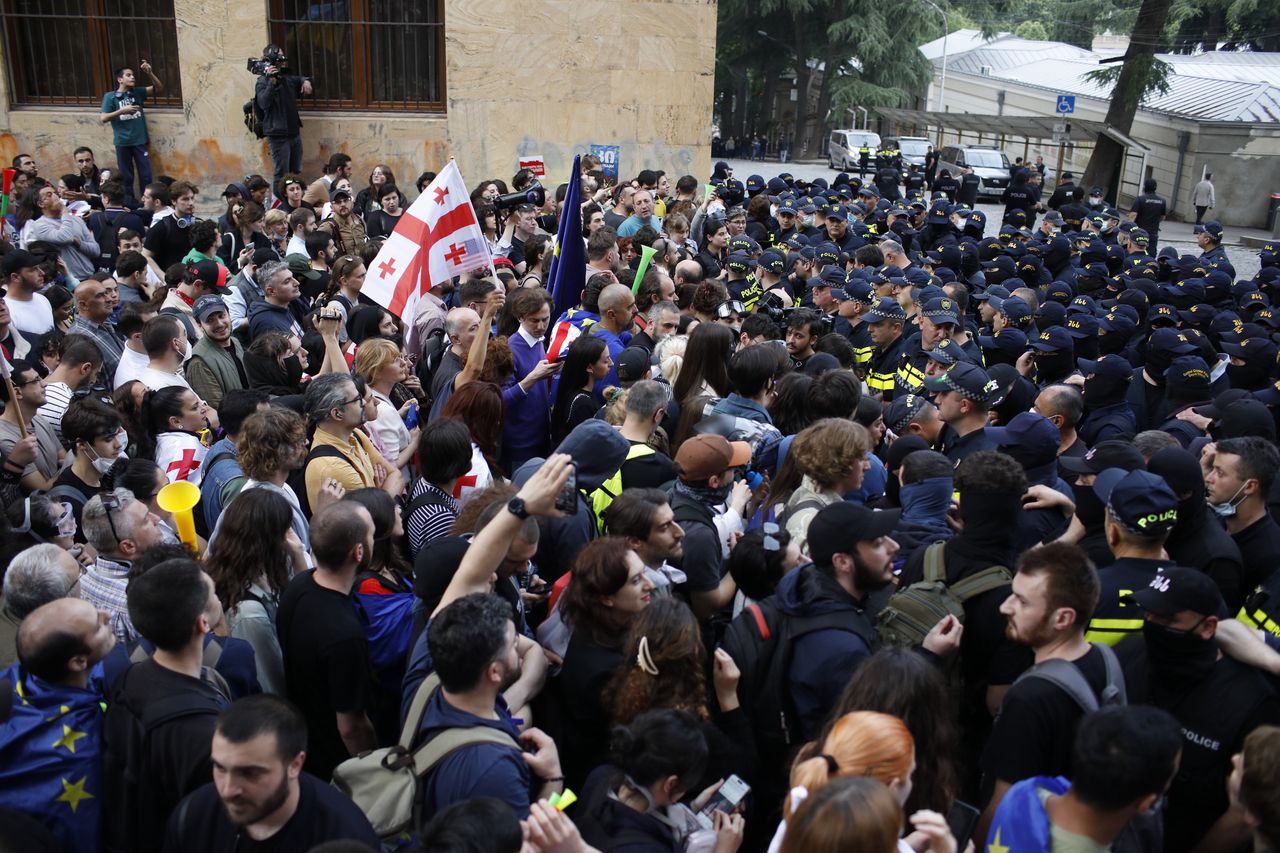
(852, 521)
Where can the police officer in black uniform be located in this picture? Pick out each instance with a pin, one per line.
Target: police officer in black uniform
(738, 264)
(947, 185)
(1209, 238)
(885, 321)
(838, 230)
(1108, 415)
(938, 321)
(1148, 211)
(1073, 209)
(1140, 511)
(964, 396)
(786, 219)
(914, 181)
(1176, 665)
(855, 299)
(887, 179)
(806, 227)
(970, 183)
(1019, 196)
(1062, 192)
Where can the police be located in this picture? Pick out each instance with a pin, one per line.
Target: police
(947, 185)
(1106, 386)
(1062, 191)
(838, 230)
(939, 233)
(914, 182)
(770, 267)
(786, 219)
(897, 224)
(855, 300)
(1073, 209)
(741, 287)
(938, 320)
(1176, 665)
(964, 395)
(884, 324)
(800, 265)
(864, 160)
(886, 182)
(1141, 510)
(807, 226)
(970, 183)
(819, 295)
(1262, 608)
(1097, 200)
(1019, 196)
(1209, 238)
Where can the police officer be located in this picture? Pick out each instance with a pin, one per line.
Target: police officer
(975, 229)
(947, 185)
(1141, 510)
(914, 181)
(887, 179)
(1073, 209)
(1261, 609)
(785, 216)
(1107, 414)
(898, 225)
(802, 264)
(826, 254)
(1019, 196)
(838, 230)
(1148, 211)
(1054, 356)
(944, 356)
(938, 238)
(938, 321)
(964, 396)
(820, 287)
(770, 267)
(855, 300)
(970, 183)
(1176, 665)
(1209, 238)
(807, 226)
(1135, 241)
(864, 160)
(1146, 395)
(869, 198)
(1109, 229)
(1004, 346)
(1097, 200)
(1049, 227)
(1010, 312)
(884, 325)
(1062, 192)
(738, 265)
